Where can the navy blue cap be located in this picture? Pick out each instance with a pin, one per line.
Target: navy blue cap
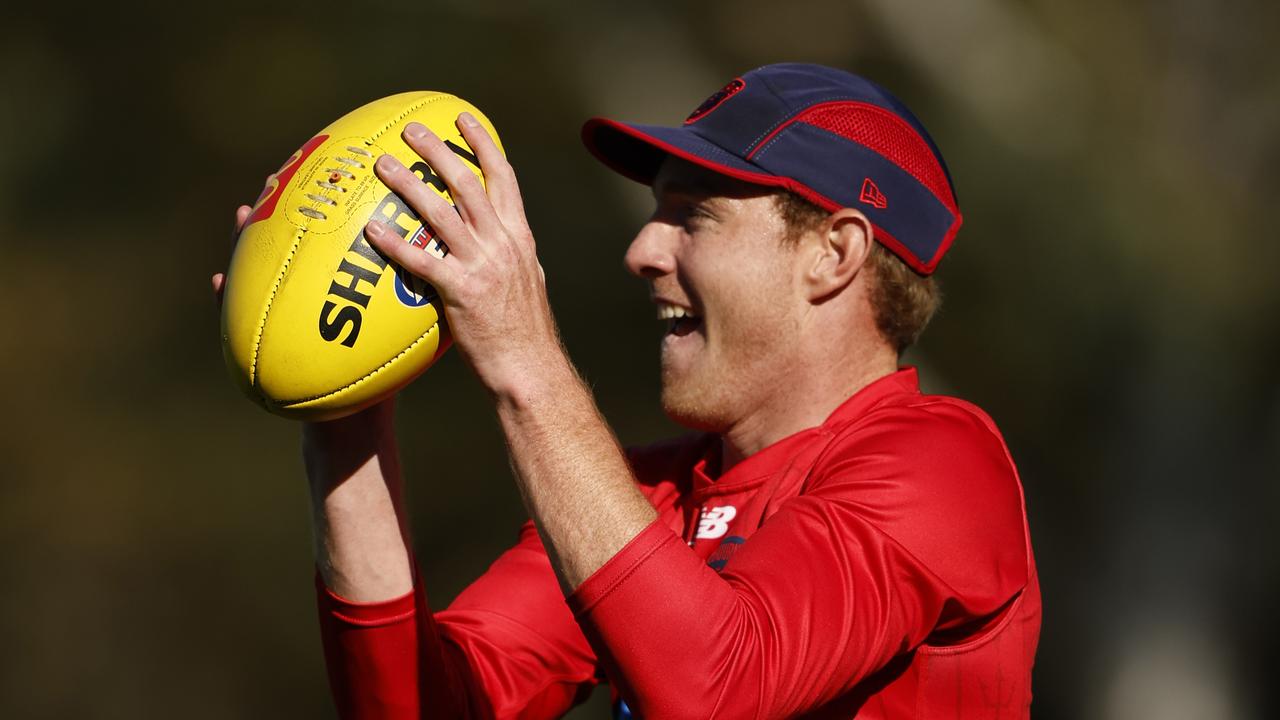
(832, 137)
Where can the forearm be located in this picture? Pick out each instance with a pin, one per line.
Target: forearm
(571, 472)
(574, 479)
(361, 537)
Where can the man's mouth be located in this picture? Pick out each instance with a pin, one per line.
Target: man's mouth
(680, 320)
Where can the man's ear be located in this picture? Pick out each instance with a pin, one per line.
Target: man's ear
(843, 246)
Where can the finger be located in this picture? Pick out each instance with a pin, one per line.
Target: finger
(499, 176)
(219, 281)
(429, 206)
(468, 194)
(436, 270)
(242, 215)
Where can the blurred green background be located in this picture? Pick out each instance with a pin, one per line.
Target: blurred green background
(1111, 302)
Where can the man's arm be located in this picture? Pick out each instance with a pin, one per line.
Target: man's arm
(361, 536)
(368, 616)
(571, 472)
(569, 467)
(507, 646)
(362, 545)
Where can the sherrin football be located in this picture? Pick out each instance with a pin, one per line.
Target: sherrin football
(316, 324)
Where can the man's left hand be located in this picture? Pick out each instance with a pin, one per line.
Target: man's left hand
(490, 282)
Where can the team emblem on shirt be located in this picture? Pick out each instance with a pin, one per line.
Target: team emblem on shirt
(720, 556)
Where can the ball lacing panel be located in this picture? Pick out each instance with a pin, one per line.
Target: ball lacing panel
(335, 173)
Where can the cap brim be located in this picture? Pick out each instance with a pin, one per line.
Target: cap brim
(637, 151)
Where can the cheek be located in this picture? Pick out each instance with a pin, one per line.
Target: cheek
(755, 309)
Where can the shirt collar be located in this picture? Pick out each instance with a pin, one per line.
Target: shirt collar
(768, 460)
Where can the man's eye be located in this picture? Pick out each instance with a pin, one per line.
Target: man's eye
(696, 215)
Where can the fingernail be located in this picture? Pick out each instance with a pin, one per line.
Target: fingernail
(374, 228)
(387, 164)
(467, 119)
(415, 130)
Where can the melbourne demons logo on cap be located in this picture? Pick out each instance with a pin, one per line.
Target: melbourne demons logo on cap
(733, 88)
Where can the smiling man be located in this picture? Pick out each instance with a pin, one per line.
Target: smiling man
(830, 543)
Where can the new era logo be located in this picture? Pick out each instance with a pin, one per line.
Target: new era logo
(871, 195)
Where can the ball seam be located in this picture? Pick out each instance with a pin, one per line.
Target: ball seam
(411, 109)
(435, 327)
(266, 310)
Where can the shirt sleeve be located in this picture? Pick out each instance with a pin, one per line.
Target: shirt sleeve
(507, 647)
(898, 536)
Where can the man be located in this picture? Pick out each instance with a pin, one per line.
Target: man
(832, 544)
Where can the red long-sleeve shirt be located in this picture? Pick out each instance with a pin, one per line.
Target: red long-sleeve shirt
(876, 566)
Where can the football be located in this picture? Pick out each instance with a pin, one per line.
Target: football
(316, 323)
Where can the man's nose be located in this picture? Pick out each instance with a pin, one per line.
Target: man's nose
(651, 253)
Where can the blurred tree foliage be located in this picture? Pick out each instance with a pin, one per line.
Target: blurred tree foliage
(1111, 302)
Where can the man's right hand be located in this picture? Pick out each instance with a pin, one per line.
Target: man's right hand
(361, 534)
(220, 279)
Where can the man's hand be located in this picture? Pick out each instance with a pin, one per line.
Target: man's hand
(492, 286)
(570, 470)
(361, 534)
(220, 279)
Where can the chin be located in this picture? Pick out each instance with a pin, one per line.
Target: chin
(694, 406)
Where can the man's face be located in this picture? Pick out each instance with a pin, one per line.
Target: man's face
(715, 253)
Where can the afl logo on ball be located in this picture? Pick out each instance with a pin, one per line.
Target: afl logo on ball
(733, 88)
(411, 290)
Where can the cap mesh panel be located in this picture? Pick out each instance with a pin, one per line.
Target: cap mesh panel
(888, 135)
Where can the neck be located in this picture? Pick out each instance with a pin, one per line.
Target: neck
(806, 396)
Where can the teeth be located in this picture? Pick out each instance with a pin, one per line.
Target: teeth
(668, 312)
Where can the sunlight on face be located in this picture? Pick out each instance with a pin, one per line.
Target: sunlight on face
(714, 251)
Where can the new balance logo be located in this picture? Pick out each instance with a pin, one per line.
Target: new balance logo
(715, 521)
(871, 195)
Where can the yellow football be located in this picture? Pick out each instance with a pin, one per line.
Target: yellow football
(316, 324)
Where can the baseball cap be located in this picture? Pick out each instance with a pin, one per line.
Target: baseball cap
(834, 138)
